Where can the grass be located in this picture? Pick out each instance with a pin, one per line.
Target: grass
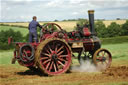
(24, 31)
(6, 56)
(118, 46)
(117, 83)
(119, 52)
(115, 40)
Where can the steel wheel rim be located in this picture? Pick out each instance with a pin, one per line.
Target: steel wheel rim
(55, 57)
(103, 58)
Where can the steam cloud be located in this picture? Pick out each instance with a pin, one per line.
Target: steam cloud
(87, 66)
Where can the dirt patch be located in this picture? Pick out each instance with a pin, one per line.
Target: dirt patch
(3, 76)
(11, 75)
(121, 71)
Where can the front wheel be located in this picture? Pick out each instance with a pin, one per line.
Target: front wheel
(102, 58)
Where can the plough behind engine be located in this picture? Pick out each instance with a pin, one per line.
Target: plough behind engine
(53, 53)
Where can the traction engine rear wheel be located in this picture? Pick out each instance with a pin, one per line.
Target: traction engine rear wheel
(102, 58)
(53, 56)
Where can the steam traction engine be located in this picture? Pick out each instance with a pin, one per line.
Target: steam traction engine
(53, 53)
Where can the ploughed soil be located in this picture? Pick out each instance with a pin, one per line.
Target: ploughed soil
(120, 71)
(18, 75)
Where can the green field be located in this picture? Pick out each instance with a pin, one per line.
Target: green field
(24, 31)
(115, 40)
(14, 74)
(118, 46)
(119, 52)
(20, 75)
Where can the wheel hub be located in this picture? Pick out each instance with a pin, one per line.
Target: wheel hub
(54, 57)
(101, 59)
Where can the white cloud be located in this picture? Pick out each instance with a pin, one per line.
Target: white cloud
(23, 10)
(56, 4)
(75, 1)
(53, 3)
(75, 13)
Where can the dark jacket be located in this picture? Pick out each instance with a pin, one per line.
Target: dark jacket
(33, 26)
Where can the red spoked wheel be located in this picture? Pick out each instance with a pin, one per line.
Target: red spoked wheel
(103, 58)
(53, 56)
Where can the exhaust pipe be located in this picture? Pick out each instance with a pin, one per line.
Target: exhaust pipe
(91, 21)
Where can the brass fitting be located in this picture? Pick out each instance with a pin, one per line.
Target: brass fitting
(91, 11)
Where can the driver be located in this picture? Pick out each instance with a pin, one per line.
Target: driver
(33, 29)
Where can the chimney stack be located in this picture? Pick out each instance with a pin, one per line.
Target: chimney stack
(91, 21)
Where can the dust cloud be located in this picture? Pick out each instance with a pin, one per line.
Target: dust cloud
(87, 66)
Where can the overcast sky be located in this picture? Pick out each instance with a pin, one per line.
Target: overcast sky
(49, 10)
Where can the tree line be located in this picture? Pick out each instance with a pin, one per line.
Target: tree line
(112, 30)
(102, 31)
